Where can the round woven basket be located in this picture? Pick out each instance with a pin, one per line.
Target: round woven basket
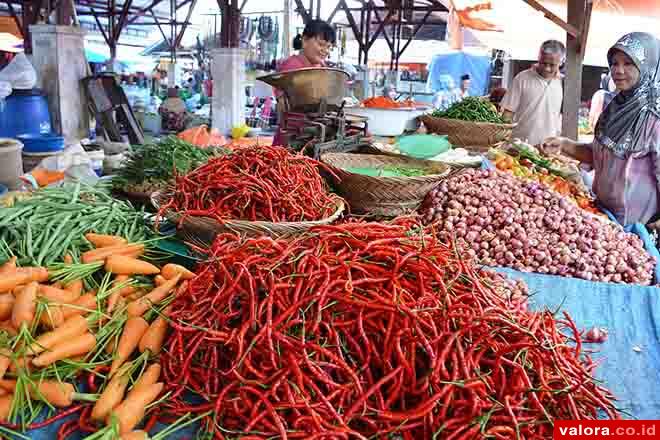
(205, 229)
(475, 136)
(382, 196)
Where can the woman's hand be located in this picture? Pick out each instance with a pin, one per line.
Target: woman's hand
(555, 145)
(655, 226)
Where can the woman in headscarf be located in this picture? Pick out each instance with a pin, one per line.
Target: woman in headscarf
(625, 153)
(447, 94)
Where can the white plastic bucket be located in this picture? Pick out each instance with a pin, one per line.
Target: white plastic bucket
(96, 157)
(11, 163)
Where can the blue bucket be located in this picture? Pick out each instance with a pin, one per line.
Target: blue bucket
(3, 190)
(24, 112)
(41, 143)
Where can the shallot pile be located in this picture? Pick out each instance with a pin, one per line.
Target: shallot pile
(509, 222)
(369, 330)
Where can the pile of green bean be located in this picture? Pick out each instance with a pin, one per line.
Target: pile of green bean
(471, 109)
(42, 229)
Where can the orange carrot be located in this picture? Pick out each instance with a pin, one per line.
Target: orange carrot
(53, 316)
(103, 253)
(6, 305)
(9, 281)
(8, 327)
(138, 307)
(118, 293)
(58, 394)
(130, 411)
(75, 287)
(112, 395)
(78, 345)
(137, 295)
(71, 328)
(148, 378)
(159, 280)
(135, 435)
(57, 295)
(25, 306)
(125, 291)
(81, 306)
(38, 274)
(169, 271)
(5, 360)
(9, 266)
(121, 265)
(154, 337)
(101, 240)
(130, 338)
(5, 406)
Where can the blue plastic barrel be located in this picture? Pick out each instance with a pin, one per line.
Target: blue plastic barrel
(24, 112)
(41, 143)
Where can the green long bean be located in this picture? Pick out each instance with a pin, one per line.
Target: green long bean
(42, 229)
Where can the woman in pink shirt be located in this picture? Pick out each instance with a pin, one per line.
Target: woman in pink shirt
(314, 46)
(625, 153)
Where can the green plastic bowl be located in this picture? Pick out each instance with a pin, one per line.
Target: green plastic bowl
(423, 146)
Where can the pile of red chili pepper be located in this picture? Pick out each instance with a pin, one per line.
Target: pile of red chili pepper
(256, 183)
(366, 330)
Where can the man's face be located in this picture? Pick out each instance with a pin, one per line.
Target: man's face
(465, 85)
(549, 64)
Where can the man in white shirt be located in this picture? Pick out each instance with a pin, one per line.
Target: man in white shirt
(465, 85)
(534, 100)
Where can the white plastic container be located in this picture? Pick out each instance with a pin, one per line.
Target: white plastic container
(96, 157)
(11, 163)
(386, 122)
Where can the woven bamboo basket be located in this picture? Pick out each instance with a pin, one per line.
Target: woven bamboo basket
(474, 136)
(205, 229)
(382, 196)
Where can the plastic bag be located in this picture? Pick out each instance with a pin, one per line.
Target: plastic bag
(19, 73)
(73, 162)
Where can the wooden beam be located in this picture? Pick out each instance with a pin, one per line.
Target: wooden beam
(381, 29)
(351, 21)
(570, 29)
(300, 9)
(573, 80)
(586, 25)
(100, 26)
(160, 28)
(177, 43)
(122, 18)
(415, 32)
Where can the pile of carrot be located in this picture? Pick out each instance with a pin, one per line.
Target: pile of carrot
(254, 183)
(54, 330)
(369, 330)
(386, 102)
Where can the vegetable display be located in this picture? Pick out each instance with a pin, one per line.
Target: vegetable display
(509, 222)
(149, 167)
(522, 167)
(59, 326)
(365, 330)
(50, 224)
(386, 102)
(471, 109)
(254, 183)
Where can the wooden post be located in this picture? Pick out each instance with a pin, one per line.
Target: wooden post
(573, 82)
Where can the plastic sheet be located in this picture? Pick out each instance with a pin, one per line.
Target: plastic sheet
(457, 64)
(631, 314)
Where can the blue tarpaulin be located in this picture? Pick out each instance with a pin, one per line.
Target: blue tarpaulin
(631, 314)
(457, 64)
(95, 57)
